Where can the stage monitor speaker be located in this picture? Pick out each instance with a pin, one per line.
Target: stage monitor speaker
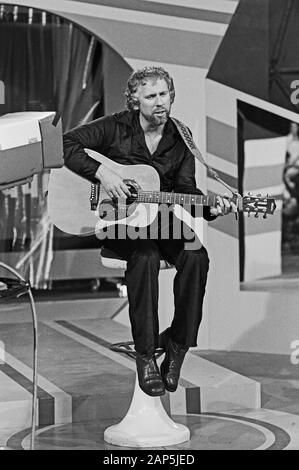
(29, 143)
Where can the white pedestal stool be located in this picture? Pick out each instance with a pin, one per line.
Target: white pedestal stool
(146, 423)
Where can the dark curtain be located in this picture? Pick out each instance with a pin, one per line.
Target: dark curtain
(46, 64)
(26, 66)
(51, 66)
(77, 75)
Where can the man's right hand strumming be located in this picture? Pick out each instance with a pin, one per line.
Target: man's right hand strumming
(112, 182)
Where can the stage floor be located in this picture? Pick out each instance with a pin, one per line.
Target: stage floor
(208, 432)
(84, 387)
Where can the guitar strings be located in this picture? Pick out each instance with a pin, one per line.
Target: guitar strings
(175, 197)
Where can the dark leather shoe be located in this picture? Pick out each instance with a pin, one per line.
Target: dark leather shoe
(150, 380)
(173, 360)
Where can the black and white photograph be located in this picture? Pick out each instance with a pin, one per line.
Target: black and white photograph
(149, 228)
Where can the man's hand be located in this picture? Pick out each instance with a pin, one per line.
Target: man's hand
(112, 182)
(224, 206)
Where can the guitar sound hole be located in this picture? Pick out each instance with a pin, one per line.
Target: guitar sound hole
(134, 192)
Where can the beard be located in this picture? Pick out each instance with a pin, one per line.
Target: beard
(155, 119)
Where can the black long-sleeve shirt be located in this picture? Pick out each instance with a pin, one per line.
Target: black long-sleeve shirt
(120, 137)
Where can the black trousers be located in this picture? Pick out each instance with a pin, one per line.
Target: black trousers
(143, 264)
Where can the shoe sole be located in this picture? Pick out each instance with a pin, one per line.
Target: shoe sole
(152, 394)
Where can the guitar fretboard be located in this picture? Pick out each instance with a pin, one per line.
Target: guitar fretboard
(159, 197)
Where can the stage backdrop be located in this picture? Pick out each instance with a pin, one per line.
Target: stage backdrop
(261, 315)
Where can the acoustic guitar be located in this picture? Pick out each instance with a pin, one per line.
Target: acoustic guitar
(79, 208)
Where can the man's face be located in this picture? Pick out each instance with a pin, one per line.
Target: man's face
(154, 101)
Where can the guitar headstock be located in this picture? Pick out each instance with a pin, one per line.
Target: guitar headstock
(258, 204)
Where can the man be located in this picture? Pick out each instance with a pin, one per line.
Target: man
(145, 134)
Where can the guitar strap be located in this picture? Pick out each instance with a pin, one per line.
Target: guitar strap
(187, 138)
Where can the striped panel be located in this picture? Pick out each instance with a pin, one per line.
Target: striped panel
(154, 43)
(55, 405)
(15, 405)
(140, 18)
(222, 153)
(199, 11)
(262, 174)
(232, 181)
(222, 140)
(227, 225)
(222, 165)
(255, 226)
(45, 400)
(149, 30)
(227, 6)
(132, 16)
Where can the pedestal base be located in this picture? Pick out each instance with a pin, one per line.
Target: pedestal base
(146, 424)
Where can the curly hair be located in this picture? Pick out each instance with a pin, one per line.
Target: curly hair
(138, 77)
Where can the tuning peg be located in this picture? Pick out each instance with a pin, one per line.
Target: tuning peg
(265, 216)
(248, 213)
(256, 215)
(258, 195)
(249, 193)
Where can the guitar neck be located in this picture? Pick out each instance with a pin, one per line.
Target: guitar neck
(159, 197)
(248, 204)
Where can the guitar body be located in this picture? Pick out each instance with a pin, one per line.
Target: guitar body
(69, 204)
